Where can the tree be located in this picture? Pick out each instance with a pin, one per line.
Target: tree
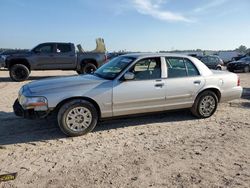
(241, 49)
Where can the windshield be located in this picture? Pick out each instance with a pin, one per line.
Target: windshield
(114, 67)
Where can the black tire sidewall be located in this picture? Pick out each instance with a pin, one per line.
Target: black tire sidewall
(13, 75)
(65, 109)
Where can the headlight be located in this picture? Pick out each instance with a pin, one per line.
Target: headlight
(36, 103)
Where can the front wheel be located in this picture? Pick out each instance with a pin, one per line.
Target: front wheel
(77, 117)
(19, 72)
(205, 105)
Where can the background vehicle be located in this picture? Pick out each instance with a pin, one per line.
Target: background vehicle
(240, 65)
(237, 58)
(212, 62)
(226, 56)
(55, 56)
(129, 84)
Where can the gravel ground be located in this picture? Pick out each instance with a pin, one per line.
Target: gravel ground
(171, 149)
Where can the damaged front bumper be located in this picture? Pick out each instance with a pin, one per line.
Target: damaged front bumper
(30, 113)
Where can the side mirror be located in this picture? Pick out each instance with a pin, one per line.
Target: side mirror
(129, 76)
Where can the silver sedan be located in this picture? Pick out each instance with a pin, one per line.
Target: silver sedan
(129, 84)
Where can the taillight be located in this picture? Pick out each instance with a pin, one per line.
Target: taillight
(238, 83)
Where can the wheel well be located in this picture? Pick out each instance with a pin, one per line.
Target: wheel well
(19, 61)
(89, 61)
(83, 98)
(216, 91)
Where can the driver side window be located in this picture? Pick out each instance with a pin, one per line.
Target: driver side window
(147, 69)
(45, 48)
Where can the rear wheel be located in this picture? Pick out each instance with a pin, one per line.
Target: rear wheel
(87, 68)
(77, 117)
(205, 104)
(19, 72)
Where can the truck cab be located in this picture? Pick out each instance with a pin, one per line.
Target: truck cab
(51, 56)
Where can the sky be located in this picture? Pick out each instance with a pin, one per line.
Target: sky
(131, 25)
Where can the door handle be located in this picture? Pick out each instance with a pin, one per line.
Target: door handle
(197, 82)
(159, 85)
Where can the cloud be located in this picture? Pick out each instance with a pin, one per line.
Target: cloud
(153, 8)
(211, 4)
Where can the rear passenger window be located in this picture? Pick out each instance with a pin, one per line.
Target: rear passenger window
(191, 69)
(63, 48)
(176, 67)
(180, 67)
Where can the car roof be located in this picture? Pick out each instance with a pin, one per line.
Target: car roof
(56, 43)
(148, 55)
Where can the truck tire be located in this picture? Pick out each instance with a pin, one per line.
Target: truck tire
(205, 105)
(77, 117)
(87, 68)
(19, 72)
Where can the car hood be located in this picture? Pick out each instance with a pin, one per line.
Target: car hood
(64, 84)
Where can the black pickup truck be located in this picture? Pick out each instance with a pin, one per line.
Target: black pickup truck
(55, 56)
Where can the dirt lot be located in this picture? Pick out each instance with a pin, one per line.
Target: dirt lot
(165, 150)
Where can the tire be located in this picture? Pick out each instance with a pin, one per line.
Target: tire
(205, 105)
(246, 69)
(19, 72)
(87, 68)
(77, 117)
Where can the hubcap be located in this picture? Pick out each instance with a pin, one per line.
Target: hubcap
(207, 106)
(78, 119)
